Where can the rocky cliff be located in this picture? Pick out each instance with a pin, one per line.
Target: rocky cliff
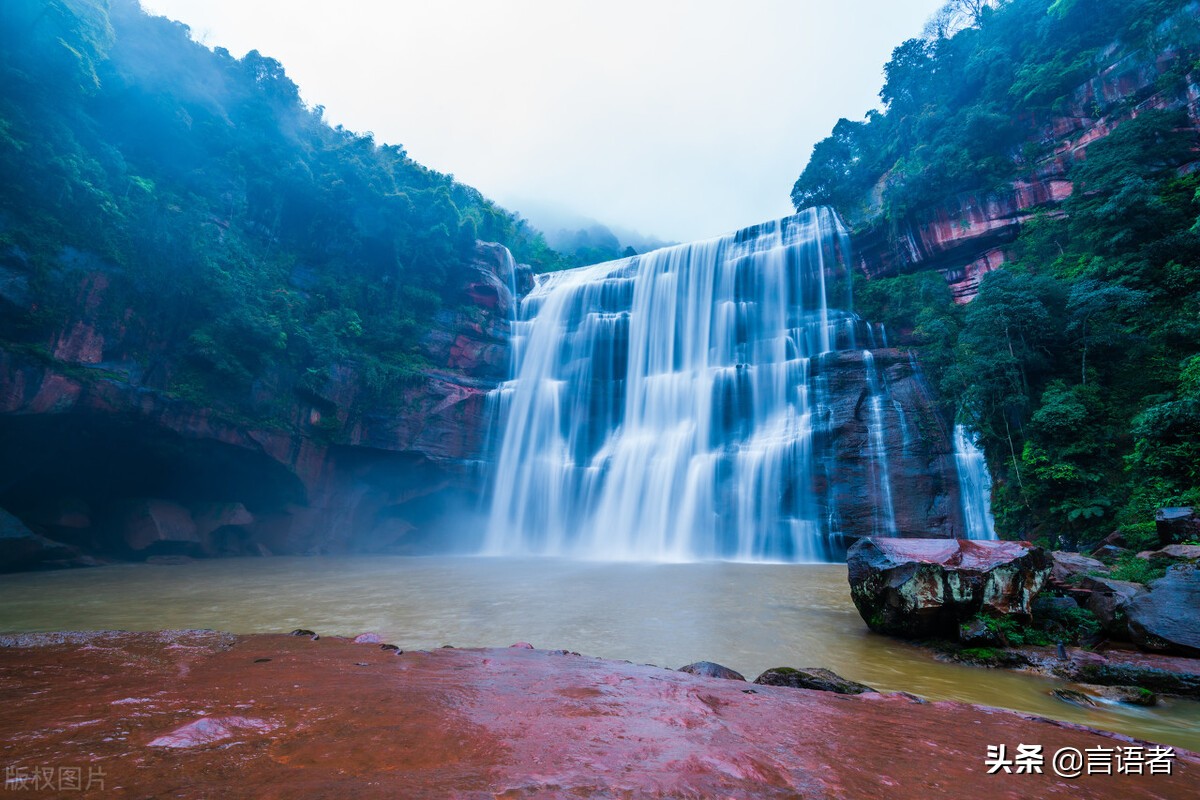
(917, 448)
(965, 236)
(96, 455)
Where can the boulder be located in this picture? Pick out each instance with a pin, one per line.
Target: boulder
(1068, 564)
(821, 680)
(1109, 553)
(927, 587)
(1130, 695)
(21, 548)
(1173, 552)
(1109, 600)
(1166, 619)
(150, 522)
(1175, 525)
(710, 670)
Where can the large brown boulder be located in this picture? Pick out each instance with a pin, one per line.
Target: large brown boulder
(927, 587)
(1066, 565)
(1109, 600)
(1173, 552)
(1166, 619)
(1175, 525)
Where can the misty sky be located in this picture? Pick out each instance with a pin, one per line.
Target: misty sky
(677, 119)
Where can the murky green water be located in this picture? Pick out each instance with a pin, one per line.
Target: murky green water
(746, 616)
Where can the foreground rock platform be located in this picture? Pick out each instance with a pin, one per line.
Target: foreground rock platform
(193, 714)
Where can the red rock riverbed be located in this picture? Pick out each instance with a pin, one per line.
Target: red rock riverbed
(203, 714)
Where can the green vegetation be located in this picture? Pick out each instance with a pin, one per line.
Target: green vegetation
(256, 248)
(1015, 633)
(1079, 363)
(1138, 570)
(965, 105)
(1072, 626)
(979, 654)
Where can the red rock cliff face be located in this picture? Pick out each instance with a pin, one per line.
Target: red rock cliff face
(338, 476)
(965, 236)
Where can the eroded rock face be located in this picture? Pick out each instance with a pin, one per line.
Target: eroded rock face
(1166, 619)
(21, 548)
(965, 236)
(329, 474)
(150, 522)
(917, 444)
(928, 587)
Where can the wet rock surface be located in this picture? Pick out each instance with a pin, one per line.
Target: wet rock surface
(1166, 619)
(1067, 564)
(928, 587)
(330, 718)
(1174, 552)
(1170, 675)
(816, 678)
(708, 669)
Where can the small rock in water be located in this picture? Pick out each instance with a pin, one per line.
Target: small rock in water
(261, 660)
(522, 645)
(305, 632)
(822, 680)
(708, 669)
(389, 647)
(1130, 695)
(368, 638)
(1073, 697)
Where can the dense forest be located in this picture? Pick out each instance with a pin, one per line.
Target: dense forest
(1078, 362)
(253, 241)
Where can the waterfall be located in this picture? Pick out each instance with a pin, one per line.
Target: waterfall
(975, 486)
(884, 523)
(696, 402)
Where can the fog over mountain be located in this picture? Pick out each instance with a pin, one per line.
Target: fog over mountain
(679, 119)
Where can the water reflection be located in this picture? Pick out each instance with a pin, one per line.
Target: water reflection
(747, 616)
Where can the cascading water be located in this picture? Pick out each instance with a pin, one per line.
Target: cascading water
(662, 405)
(696, 402)
(975, 486)
(884, 523)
